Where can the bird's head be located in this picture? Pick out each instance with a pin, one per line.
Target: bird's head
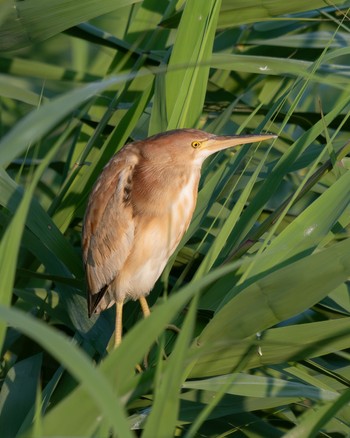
(192, 146)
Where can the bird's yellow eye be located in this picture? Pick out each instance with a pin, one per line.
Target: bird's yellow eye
(196, 144)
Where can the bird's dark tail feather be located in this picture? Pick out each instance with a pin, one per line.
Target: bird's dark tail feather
(95, 299)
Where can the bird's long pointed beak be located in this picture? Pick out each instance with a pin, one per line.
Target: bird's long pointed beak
(218, 143)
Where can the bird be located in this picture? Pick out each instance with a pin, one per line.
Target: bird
(139, 209)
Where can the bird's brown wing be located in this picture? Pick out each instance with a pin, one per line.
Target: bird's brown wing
(108, 230)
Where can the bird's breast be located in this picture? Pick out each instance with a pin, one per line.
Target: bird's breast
(156, 238)
(168, 214)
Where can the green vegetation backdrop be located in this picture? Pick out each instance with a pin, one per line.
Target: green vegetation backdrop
(259, 284)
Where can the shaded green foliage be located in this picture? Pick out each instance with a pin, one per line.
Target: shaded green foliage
(260, 283)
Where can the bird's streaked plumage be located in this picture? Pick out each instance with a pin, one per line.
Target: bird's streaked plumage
(139, 209)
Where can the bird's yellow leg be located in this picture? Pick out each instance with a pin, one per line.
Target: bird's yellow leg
(146, 312)
(144, 306)
(118, 323)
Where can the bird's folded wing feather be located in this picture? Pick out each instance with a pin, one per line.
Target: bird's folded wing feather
(108, 231)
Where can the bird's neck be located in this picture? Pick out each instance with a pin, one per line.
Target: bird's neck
(159, 186)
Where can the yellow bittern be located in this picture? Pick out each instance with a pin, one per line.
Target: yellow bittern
(139, 209)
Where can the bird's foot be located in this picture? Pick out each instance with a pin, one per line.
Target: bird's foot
(140, 368)
(173, 328)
